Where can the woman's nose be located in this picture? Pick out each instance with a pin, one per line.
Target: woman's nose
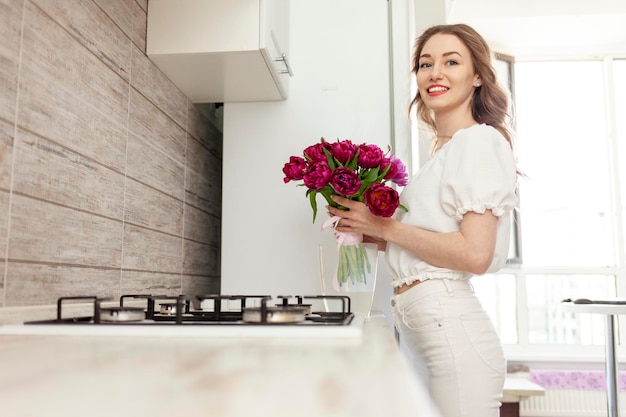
(435, 72)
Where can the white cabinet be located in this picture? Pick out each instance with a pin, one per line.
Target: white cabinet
(222, 50)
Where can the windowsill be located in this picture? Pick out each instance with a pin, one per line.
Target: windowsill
(561, 356)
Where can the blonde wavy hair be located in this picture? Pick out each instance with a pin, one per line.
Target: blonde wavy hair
(490, 103)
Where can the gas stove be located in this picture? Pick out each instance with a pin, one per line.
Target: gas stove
(200, 315)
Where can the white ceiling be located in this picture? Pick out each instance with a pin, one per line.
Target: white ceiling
(539, 28)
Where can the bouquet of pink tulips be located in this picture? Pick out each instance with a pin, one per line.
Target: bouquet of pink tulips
(356, 172)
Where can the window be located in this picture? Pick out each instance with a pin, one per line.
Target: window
(562, 148)
(571, 205)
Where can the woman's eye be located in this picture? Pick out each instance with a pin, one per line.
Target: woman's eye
(452, 62)
(424, 65)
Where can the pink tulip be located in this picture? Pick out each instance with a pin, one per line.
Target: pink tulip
(381, 200)
(317, 175)
(370, 157)
(294, 169)
(345, 182)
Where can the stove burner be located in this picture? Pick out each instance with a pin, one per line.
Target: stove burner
(279, 314)
(249, 310)
(122, 314)
(168, 309)
(299, 303)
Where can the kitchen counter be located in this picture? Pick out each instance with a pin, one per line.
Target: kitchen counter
(96, 376)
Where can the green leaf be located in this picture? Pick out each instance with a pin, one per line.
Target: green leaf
(352, 163)
(371, 175)
(326, 192)
(385, 171)
(332, 163)
(312, 194)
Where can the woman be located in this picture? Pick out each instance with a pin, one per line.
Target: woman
(457, 224)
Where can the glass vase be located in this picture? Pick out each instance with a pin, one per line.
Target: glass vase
(349, 270)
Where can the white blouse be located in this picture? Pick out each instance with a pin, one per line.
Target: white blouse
(474, 171)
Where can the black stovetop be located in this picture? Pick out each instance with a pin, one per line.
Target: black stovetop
(209, 310)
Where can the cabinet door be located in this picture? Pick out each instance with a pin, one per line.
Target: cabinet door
(221, 51)
(202, 26)
(274, 42)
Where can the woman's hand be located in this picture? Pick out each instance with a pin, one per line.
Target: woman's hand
(358, 219)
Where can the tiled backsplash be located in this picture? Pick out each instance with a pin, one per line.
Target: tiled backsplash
(110, 178)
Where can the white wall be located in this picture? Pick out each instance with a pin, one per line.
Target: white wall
(340, 89)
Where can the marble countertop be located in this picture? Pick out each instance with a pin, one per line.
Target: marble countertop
(96, 376)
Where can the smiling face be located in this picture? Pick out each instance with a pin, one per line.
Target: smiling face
(445, 75)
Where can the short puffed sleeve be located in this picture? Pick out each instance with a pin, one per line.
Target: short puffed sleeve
(479, 173)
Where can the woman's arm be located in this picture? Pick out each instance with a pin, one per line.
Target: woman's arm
(470, 249)
(382, 244)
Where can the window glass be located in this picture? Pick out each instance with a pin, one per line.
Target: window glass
(548, 324)
(497, 295)
(619, 74)
(502, 66)
(562, 148)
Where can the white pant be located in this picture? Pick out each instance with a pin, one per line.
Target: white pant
(443, 324)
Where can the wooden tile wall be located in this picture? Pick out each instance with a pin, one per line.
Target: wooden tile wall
(110, 178)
